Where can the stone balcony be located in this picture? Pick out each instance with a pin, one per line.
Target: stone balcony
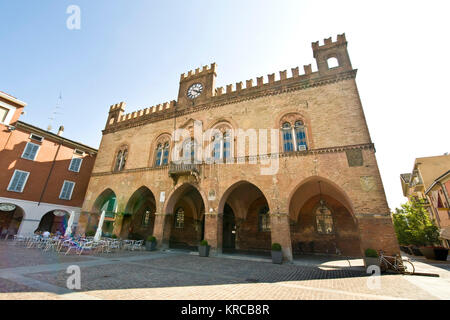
(184, 169)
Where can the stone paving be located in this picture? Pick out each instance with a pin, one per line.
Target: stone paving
(34, 274)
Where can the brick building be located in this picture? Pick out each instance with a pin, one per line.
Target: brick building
(315, 187)
(430, 182)
(43, 176)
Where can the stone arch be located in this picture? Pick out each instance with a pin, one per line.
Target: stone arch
(305, 199)
(101, 199)
(11, 220)
(140, 204)
(194, 204)
(239, 207)
(54, 221)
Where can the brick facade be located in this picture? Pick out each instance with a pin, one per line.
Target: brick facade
(339, 157)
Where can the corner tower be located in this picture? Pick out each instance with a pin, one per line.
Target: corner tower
(324, 55)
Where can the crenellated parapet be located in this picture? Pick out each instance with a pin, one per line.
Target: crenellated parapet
(272, 80)
(197, 73)
(273, 83)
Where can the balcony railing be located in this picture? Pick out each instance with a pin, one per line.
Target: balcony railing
(181, 169)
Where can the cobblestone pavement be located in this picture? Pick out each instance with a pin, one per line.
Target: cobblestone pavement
(33, 274)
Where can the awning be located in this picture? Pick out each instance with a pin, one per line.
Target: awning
(445, 233)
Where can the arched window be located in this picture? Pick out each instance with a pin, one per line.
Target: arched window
(124, 160)
(179, 219)
(159, 152)
(288, 144)
(162, 150)
(146, 218)
(300, 135)
(293, 131)
(121, 159)
(118, 159)
(324, 219)
(264, 219)
(227, 145)
(165, 159)
(189, 147)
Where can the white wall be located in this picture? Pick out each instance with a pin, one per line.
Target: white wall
(33, 213)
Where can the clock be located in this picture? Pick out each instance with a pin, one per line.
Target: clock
(7, 207)
(195, 90)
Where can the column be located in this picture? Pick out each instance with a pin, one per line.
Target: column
(281, 233)
(162, 229)
(214, 231)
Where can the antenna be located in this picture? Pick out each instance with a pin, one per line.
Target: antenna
(55, 112)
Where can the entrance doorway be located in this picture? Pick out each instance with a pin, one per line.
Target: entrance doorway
(229, 230)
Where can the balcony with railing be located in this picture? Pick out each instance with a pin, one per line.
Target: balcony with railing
(184, 169)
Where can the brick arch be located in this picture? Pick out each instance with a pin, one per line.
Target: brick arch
(229, 190)
(309, 187)
(177, 192)
(101, 199)
(141, 192)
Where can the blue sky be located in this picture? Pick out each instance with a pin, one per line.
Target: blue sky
(135, 51)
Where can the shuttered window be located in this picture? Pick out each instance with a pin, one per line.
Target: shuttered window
(75, 164)
(18, 181)
(30, 151)
(67, 189)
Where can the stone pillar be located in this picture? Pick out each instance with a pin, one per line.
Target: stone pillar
(377, 232)
(162, 229)
(214, 231)
(281, 233)
(27, 227)
(118, 220)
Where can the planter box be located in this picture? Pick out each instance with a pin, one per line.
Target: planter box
(435, 253)
(203, 251)
(150, 246)
(369, 261)
(277, 257)
(416, 251)
(441, 254)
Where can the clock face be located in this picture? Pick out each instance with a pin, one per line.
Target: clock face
(195, 90)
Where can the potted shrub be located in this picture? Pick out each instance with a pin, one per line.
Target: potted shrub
(203, 248)
(371, 258)
(150, 243)
(277, 254)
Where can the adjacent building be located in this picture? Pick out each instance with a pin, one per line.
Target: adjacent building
(429, 181)
(43, 176)
(202, 167)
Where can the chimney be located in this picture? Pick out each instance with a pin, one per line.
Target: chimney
(60, 130)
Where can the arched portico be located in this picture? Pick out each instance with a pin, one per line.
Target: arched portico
(245, 215)
(11, 217)
(183, 222)
(54, 221)
(139, 218)
(322, 219)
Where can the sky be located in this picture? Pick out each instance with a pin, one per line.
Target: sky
(135, 51)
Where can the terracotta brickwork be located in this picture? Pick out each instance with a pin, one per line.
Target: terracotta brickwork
(339, 157)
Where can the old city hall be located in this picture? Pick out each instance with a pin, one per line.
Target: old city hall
(326, 195)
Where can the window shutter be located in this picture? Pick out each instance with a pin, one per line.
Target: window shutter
(66, 190)
(18, 181)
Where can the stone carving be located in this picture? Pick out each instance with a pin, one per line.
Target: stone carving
(367, 183)
(354, 157)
